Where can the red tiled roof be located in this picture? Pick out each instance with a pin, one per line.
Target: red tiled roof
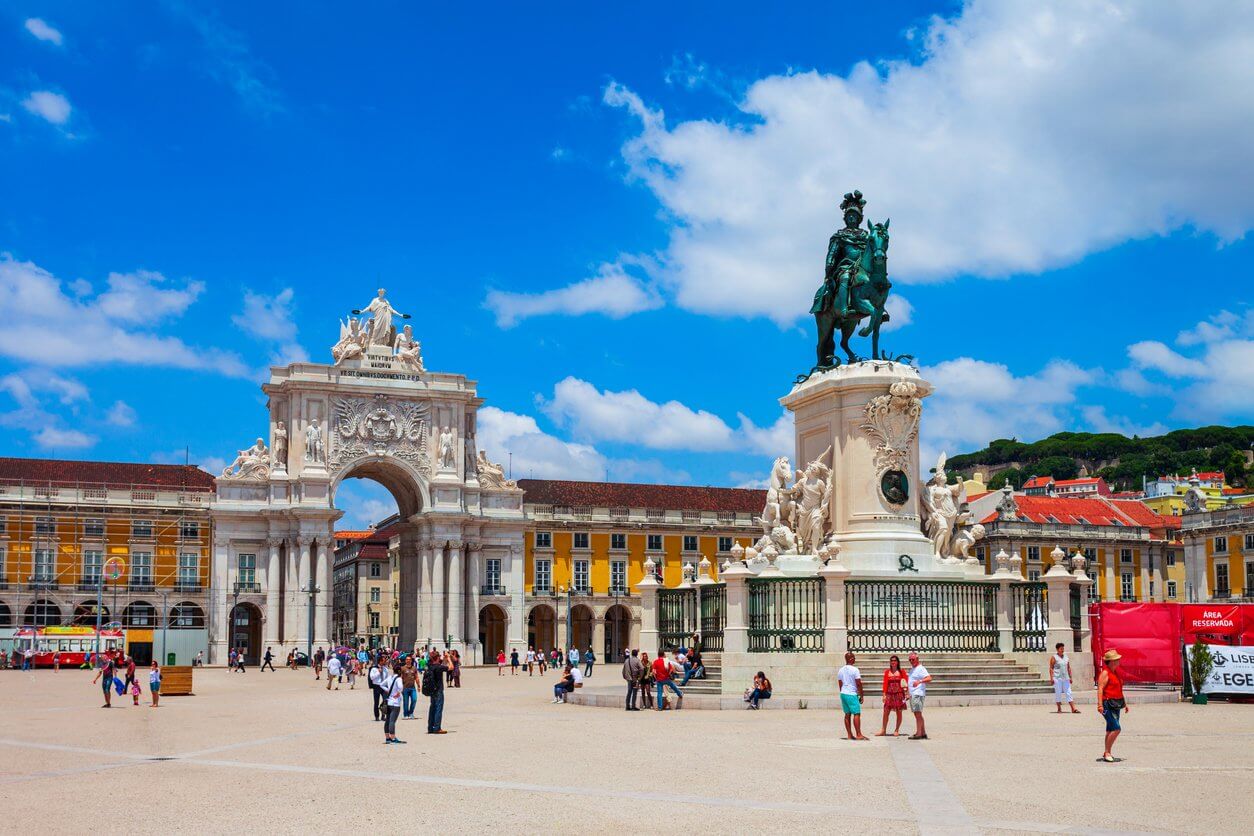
(1170, 520)
(1138, 512)
(624, 495)
(1037, 482)
(1080, 511)
(122, 474)
(1211, 475)
(1086, 481)
(348, 534)
(373, 551)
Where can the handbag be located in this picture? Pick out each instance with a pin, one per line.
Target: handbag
(1114, 704)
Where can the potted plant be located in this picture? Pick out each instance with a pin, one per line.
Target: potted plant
(1201, 663)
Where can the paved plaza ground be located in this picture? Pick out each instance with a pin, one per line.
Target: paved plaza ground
(278, 753)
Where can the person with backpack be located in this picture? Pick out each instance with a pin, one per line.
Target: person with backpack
(375, 677)
(433, 687)
(392, 688)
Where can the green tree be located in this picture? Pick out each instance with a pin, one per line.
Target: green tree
(1059, 467)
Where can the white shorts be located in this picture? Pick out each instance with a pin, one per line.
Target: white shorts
(1062, 690)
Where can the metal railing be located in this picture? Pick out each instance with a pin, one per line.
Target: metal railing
(713, 617)
(936, 616)
(677, 610)
(492, 589)
(786, 615)
(1031, 615)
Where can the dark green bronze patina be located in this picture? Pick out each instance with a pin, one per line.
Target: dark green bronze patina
(895, 487)
(855, 286)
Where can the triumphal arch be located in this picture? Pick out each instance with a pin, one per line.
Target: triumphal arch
(373, 412)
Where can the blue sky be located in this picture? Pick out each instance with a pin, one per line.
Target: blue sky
(614, 220)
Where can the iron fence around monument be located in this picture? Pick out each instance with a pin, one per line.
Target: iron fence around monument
(937, 616)
(786, 615)
(1031, 615)
(677, 614)
(713, 617)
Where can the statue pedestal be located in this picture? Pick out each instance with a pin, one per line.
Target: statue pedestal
(871, 426)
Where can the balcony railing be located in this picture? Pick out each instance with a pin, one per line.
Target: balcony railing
(190, 586)
(1221, 594)
(141, 585)
(89, 584)
(581, 591)
(619, 591)
(545, 591)
(245, 588)
(490, 589)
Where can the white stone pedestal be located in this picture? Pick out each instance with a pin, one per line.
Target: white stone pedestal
(871, 431)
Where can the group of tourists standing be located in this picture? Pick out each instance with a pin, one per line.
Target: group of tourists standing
(117, 673)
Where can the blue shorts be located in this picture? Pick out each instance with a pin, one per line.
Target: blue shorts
(849, 704)
(1112, 719)
(155, 688)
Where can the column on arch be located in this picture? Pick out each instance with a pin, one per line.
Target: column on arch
(300, 607)
(456, 626)
(438, 624)
(291, 598)
(322, 603)
(220, 601)
(517, 636)
(409, 565)
(274, 577)
(474, 576)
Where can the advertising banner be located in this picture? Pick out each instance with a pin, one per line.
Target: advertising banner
(1234, 670)
(1210, 620)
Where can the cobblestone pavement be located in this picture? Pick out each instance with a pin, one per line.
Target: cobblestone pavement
(277, 752)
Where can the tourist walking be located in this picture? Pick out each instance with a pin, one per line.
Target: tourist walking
(632, 670)
(663, 670)
(761, 690)
(1111, 701)
(230, 660)
(154, 683)
(333, 672)
(589, 659)
(531, 661)
(1060, 677)
(409, 681)
(455, 668)
(850, 679)
(894, 690)
(268, 661)
(354, 669)
(500, 663)
(291, 660)
(513, 662)
(542, 661)
(128, 664)
(106, 671)
(239, 660)
(375, 677)
(433, 687)
(918, 680)
(393, 687)
(320, 656)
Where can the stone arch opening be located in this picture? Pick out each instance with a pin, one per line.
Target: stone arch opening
(492, 623)
(617, 633)
(406, 485)
(581, 619)
(541, 622)
(85, 614)
(246, 631)
(43, 612)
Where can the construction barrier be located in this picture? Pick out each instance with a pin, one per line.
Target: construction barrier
(1149, 636)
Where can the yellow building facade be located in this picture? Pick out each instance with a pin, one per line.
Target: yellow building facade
(1219, 554)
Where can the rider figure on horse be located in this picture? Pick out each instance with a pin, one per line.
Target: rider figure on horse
(843, 275)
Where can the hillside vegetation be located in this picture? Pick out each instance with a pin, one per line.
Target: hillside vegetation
(1122, 461)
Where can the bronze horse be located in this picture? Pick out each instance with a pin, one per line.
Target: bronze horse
(867, 295)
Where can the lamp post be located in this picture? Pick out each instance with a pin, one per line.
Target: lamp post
(230, 622)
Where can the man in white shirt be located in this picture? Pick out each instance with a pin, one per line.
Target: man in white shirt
(919, 678)
(850, 679)
(333, 672)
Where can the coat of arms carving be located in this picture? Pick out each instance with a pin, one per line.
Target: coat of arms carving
(380, 427)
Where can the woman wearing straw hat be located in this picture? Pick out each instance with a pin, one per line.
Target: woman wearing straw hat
(1110, 700)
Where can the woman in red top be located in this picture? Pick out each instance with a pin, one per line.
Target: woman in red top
(1110, 701)
(894, 690)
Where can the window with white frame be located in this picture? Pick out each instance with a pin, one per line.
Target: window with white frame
(544, 575)
(1221, 579)
(1034, 553)
(725, 544)
(1126, 587)
(690, 542)
(374, 621)
(618, 575)
(376, 595)
(544, 539)
(45, 565)
(1090, 555)
(141, 528)
(492, 567)
(93, 565)
(93, 528)
(618, 542)
(1125, 555)
(1171, 589)
(653, 542)
(1034, 574)
(189, 569)
(1171, 558)
(581, 539)
(1221, 545)
(376, 570)
(581, 575)
(45, 525)
(141, 568)
(247, 566)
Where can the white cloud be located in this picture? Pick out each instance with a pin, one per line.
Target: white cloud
(613, 292)
(974, 146)
(900, 313)
(977, 401)
(60, 438)
(43, 31)
(1135, 383)
(1217, 381)
(121, 414)
(779, 439)
(1100, 422)
(270, 318)
(45, 326)
(231, 62)
(535, 454)
(50, 106)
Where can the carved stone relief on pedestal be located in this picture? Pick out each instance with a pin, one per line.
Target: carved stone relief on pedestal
(891, 421)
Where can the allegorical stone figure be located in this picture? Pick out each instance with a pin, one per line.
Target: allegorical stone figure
(448, 449)
(380, 331)
(409, 350)
(253, 462)
(940, 501)
(278, 450)
(314, 449)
